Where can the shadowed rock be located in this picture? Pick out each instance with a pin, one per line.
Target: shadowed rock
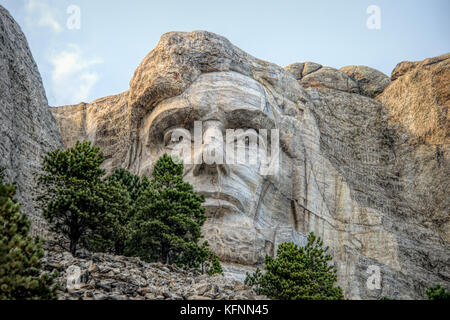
(27, 128)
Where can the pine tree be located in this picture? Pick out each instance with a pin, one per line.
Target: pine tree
(168, 220)
(121, 193)
(111, 235)
(133, 183)
(298, 273)
(200, 257)
(20, 255)
(214, 266)
(438, 292)
(73, 193)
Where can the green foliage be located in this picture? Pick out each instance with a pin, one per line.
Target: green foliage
(157, 220)
(438, 292)
(168, 217)
(112, 235)
(255, 280)
(123, 189)
(214, 266)
(168, 220)
(20, 255)
(298, 273)
(134, 185)
(74, 199)
(208, 261)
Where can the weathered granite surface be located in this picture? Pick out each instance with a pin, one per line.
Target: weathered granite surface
(368, 175)
(27, 127)
(330, 78)
(397, 183)
(371, 82)
(105, 121)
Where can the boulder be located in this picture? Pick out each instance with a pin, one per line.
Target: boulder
(371, 82)
(406, 66)
(299, 70)
(330, 78)
(81, 281)
(310, 67)
(418, 102)
(296, 69)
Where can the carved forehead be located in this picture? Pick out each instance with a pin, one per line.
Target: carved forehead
(226, 96)
(227, 90)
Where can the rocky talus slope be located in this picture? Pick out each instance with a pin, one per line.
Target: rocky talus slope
(108, 277)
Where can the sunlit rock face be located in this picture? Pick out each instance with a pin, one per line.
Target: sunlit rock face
(344, 171)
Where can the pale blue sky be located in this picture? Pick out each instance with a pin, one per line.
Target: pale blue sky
(99, 59)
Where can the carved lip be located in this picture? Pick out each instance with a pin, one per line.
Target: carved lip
(220, 199)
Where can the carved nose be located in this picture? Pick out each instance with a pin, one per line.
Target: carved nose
(210, 165)
(211, 154)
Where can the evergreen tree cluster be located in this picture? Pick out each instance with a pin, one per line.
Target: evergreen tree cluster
(157, 219)
(20, 255)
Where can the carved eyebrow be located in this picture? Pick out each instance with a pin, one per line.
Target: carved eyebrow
(254, 119)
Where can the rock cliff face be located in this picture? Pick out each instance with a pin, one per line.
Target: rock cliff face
(27, 127)
(363, 158)
(396, 177)
(105, 121)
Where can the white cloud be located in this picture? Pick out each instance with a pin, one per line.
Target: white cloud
(41, 14)
(72, 76)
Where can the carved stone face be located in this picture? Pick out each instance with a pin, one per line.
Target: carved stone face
(239, 227)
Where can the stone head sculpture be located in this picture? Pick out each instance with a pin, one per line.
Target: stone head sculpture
(323, 129)
(231, 115)
(242, 197)
(201, 79)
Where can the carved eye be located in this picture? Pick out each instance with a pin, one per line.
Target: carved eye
(248, 138)
(176, 135)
